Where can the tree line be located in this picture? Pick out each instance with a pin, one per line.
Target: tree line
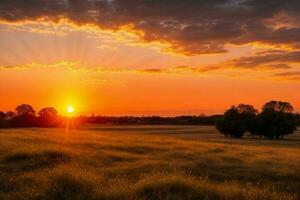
(275, 120)
(152, 120)
(25, 116)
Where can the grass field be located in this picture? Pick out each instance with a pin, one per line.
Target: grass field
(146, 162)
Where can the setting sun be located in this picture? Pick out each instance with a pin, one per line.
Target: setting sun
(70, 109)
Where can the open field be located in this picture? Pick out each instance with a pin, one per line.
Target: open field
(146, 162)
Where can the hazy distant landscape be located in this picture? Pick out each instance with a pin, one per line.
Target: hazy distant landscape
(146, 162)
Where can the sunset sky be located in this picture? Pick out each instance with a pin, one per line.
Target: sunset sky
(148, 57)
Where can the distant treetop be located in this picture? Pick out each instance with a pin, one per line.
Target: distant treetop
(25, 109)
(279, 106)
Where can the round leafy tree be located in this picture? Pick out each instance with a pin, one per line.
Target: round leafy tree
(276, 120)
(236, 121)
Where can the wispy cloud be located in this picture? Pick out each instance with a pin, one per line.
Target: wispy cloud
(212, 70)
(288, 76)
(62, 64)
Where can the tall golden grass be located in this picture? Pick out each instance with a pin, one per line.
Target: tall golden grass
(146, 162)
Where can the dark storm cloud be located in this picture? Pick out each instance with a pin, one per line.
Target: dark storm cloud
(191, 27)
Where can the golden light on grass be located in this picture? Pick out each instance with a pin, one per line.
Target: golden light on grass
(197, 166)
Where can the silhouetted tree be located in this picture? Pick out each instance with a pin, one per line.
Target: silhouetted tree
(2, 115)
(2, 119)
(276, 120)
(237, 120)
(246, 109)
(297, 119)
(25, 117)
(248, 116)
(48, 117)
(25, 109)
(10, 114)
(48, 113)
(279, 106)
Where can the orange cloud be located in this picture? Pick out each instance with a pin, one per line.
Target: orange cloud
(288, 76)
(62, 64)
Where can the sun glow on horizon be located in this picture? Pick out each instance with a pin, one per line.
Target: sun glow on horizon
(70, 109)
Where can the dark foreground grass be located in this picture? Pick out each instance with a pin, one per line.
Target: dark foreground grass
(132, 163)
(154, 186)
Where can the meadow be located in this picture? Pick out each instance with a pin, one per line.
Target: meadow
(146, 162)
